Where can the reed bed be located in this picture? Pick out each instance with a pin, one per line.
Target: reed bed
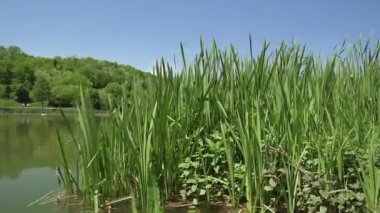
(284, 131)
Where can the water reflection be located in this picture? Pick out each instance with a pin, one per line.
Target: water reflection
(28, 155)
(28, 141)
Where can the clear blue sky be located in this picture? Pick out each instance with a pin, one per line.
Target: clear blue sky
(137, 32)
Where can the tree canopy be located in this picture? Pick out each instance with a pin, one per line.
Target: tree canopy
(41, 90)
(55, 81)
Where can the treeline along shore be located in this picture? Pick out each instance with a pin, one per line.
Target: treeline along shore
(55, 82)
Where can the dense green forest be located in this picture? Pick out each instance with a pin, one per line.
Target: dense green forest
(55, 81)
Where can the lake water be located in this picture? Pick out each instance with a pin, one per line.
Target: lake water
(29, 154)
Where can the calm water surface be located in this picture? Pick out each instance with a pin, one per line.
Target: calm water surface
(29, 155)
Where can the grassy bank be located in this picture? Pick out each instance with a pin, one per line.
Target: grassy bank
(11, 106)
(285, 131)
(5, 103)
(39, 110)
(34, 110)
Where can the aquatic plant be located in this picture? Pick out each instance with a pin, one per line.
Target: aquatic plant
(283, 131)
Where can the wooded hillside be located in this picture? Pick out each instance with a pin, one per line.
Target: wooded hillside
(55, 81)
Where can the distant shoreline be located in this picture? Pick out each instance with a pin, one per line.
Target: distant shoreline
(39, 110)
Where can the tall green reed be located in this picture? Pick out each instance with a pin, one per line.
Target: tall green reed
(287, 115)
